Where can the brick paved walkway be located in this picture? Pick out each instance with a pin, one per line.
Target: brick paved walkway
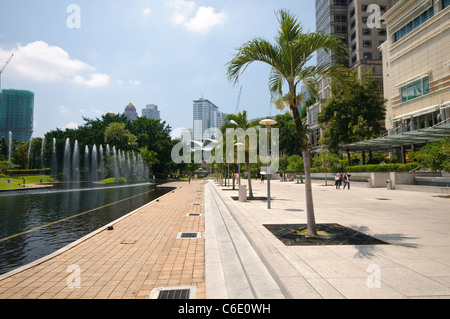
(140, 254)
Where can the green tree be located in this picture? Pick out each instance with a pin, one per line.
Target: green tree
(20, 155)
(435, 156)
(240, 121)
(283, 163)
(326, 160)
(288, 58)
(288, 135)
(155, 136)
(352, 113)
(117, 135)
(3, 149)
(296, 164)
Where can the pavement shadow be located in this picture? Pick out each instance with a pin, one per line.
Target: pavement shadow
(395, 239)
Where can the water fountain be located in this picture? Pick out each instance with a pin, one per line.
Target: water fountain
(101, 164)
(76, 164)
(67, 169)
(94, 164)
(115, 164)
(54, 163)
(29, 150)
(42, 153)
(86, 163)
(9, 145)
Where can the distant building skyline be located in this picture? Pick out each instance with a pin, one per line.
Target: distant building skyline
(130, 112)
(17, 114)
(206, 116)
(151, 112)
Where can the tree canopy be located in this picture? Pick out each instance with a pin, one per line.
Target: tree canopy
(353, 113)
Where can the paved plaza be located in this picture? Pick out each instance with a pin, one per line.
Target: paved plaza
(415, 264)
(236, 257)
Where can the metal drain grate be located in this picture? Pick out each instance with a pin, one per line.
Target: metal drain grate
(194, 215)
(189, 235)
(173, 293)
(197, 204)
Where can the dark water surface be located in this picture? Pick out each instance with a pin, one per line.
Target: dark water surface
(36, 223)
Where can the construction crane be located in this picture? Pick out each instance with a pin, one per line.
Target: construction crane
(238, 101)
(2, 69)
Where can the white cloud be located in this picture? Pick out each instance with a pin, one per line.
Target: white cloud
(63, 110)
(146, 11)
(135, 82)
(203, 21)
(71, 125)
(96, 80)
(41, 62)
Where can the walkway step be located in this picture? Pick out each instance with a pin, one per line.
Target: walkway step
(233, 268)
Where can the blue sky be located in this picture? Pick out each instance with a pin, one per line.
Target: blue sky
(166, 52)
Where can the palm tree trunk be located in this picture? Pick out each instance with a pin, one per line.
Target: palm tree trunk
(310, 217)
(249, 178)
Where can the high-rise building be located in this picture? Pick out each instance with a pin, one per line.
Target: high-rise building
(207, 117)
(17, 114)
(131, 113)
(353, 21)
(151, 112)
(417, 67)
(416, 72)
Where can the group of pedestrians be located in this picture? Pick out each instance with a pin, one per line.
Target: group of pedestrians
(339, 179)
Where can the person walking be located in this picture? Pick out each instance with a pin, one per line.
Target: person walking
(337, 181)
(347, 180)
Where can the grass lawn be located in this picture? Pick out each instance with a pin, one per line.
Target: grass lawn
(29, 179)
(5, 185)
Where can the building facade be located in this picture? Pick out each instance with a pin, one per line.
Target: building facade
(207, 117)
(416, 73)
(416, 59)
(17, 114)
(151, 112)
(130, 112)
(353, 21)
(417, 64)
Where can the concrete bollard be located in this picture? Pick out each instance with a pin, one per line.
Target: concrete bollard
(243, 193)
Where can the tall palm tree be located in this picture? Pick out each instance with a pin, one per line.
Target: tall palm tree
(240, 121)
(288, 58)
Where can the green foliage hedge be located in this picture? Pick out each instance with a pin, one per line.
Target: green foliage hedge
(369, 168)
(15, 172)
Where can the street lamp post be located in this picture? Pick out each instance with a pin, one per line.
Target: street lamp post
(242, 191)
(239, 163)
(268, 123)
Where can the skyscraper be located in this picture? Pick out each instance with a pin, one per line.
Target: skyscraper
(16, 114)
(352, 20)
(151, 112)
(206, 118)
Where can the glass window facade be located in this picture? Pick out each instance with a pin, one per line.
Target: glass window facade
(416, 89)
(414, 23)
(445, 4)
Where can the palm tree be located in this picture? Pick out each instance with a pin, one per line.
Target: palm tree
(288, 57)
(240, 121)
